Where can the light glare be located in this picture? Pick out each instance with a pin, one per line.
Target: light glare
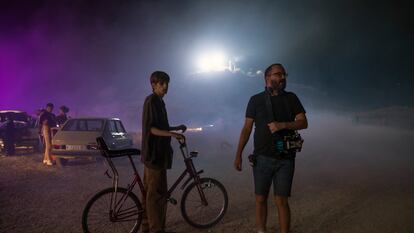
(198, 129)
(213, 62)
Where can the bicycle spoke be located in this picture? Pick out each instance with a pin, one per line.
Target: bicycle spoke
(125, 213)
(126, 218)
(201, 214)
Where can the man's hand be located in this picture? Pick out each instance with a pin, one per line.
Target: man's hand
(183, 128)
(276, 126)
(238, 163)
(177, 136)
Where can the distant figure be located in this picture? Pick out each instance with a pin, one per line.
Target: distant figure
(47, 121)
(38, 113)
(9, 135)
(276, 115)
(62, 117)
(156, 153)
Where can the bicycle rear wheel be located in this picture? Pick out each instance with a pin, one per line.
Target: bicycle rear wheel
(96, 216)
(195, 212)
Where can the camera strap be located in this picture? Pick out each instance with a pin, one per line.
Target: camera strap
(269, 107)
(294, 142)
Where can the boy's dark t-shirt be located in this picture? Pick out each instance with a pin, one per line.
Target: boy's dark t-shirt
(285, 107)
(156, 150)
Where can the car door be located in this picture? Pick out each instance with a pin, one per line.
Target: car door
(111, 133)
(123, 139)
(117, 137)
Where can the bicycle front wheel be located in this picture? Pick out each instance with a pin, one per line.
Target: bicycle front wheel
(199, 214)
(126, 216)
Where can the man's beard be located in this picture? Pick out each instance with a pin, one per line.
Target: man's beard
(279, 87)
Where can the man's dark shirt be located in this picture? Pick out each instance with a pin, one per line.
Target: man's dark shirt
(50, 117)
(285, 107)
(156, 150)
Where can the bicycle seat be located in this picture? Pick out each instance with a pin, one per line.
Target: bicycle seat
(115, 153)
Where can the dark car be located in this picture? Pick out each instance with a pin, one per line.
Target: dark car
(26, 134)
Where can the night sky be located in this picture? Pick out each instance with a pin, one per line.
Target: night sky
(96, 56)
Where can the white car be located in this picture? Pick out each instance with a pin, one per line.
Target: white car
(77, 138)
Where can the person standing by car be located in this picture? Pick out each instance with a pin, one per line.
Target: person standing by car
(270, 166)
(156, 153)
(62, 117)
(38, 113)
(9, 135)
(47, 121)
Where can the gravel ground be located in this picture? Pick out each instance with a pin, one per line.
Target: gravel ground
(348, 179)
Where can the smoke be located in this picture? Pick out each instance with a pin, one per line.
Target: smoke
(97, 58)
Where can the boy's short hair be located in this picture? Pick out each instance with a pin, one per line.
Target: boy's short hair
(49, 105)
(159, 77)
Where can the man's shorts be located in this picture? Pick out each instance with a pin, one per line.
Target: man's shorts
(271, 170)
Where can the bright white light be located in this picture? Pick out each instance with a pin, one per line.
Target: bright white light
(213, 62)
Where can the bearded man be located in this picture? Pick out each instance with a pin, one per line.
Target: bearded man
(269, 167)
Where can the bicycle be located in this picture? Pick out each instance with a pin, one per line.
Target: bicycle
(120, 208)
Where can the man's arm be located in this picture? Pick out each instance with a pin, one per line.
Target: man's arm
(151, 120)
(180, 127)
(244, 138)
(165, 133)
(300, 123)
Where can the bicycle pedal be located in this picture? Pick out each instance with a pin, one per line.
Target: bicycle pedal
(172, 201)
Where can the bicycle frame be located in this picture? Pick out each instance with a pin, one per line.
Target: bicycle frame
(115, 205)
(190, 169)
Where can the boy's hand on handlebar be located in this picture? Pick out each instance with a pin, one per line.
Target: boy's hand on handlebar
(178, 136)
(183, 128)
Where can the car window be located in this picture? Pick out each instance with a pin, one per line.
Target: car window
(20, 117)
(120, 127)
(70, 125)
(111, 126)
(17, 116)
(94, 125)
(83, 125)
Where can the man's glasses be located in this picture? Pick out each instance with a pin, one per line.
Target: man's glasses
(280, 74)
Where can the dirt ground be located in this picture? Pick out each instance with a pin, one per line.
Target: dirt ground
(349, 178)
